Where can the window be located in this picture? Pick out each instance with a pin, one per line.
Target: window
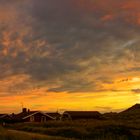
(32, 119)
(43, 119)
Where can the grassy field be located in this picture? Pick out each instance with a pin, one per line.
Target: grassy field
(84, 129)
(6, 134)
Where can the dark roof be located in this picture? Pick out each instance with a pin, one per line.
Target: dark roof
(54, 114)
(83, 114)
(24, 115)
(3, 115)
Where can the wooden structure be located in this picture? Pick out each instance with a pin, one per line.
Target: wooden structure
(31, 116)
(75, 115)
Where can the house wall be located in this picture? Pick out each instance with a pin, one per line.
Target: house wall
(66, 117)
(5, 119)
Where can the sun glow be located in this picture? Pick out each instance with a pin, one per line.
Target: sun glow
(135, 79)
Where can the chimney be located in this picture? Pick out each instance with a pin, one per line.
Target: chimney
(24, 110)
(13, 115)
(28, 110)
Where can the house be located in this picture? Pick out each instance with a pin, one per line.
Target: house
(55, 115)
(31, 116)
(5, 118)
(75, 115)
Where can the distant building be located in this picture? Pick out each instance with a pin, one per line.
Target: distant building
(75, 115)
(31, 116)
(110, 115)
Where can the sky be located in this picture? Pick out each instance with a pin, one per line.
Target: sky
(58, 55)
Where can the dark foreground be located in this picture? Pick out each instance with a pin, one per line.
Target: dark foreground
(6, 134)
(80, 130)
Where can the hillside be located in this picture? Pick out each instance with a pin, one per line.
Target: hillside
(131, 113)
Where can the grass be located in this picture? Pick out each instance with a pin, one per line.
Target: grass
(20, 135)
(85, 129)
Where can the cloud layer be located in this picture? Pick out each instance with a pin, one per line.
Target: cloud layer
(69, 46)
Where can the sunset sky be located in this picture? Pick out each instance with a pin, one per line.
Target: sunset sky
(69, 55)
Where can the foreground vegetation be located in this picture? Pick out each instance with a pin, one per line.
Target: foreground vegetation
(6, 134)
(85, 129)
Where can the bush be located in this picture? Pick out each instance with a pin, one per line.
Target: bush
(111, 131)
(85, 129)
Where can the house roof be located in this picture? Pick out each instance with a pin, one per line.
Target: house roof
(21, 115)
(25, 115)
(3, 115)
(53, 114)
(82, 114)
(47, 115)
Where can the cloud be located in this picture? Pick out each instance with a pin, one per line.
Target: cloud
(70, 46)
(14, 85)
(137, 91)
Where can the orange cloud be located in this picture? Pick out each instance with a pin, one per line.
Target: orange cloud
(81, 59)
(107, 17)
